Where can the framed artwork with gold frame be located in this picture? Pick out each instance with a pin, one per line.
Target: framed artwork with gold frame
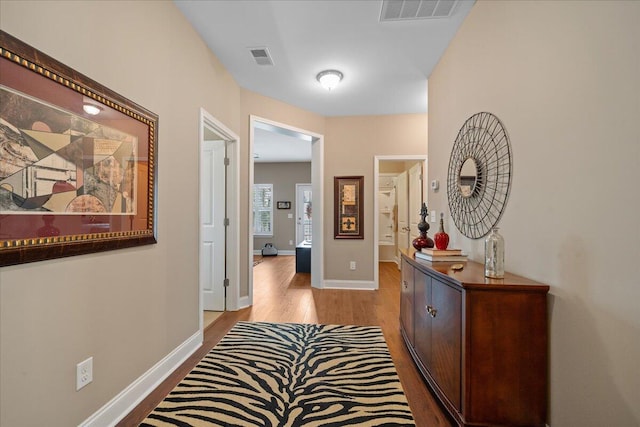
(348, 207)
(78, 161)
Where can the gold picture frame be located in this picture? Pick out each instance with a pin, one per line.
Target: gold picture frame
(78, 166)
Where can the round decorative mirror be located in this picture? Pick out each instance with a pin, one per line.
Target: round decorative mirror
(467, 178)
(479, 175)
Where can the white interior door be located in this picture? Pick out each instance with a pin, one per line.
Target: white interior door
(415, 199)
(303, 212)
(212, 217)
(402, 194)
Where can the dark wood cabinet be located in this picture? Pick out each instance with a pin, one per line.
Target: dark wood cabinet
(481, 344)
(422, 319)
(445, 339)
(437, 333)
(406, 302)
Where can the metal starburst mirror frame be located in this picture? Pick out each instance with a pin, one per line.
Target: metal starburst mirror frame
(477, 207)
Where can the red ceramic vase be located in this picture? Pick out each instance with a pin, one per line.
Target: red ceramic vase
(441, 238)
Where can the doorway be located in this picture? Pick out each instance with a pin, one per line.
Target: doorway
(219, 231)
(304, 213)
(399, 183)
(317, 166)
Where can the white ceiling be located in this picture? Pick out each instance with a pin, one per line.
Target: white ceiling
(270, 146)
(385, 64)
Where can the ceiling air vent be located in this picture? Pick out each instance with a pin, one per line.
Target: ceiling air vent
(403, 10)
(261, 55)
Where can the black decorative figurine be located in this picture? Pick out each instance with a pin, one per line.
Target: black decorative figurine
(423, 241)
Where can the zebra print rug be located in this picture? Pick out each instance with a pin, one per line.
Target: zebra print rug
(287, 374)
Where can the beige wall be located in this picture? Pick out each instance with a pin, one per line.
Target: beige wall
(112, 306)
(392, 166)
(351, 143)
(284, 177)
(563, 78)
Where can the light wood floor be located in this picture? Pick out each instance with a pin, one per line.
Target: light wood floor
(281, 295)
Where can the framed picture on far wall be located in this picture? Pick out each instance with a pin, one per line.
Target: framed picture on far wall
(348, 207)
(77, 161)
(284, 205)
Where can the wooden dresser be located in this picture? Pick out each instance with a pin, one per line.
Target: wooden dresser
(481, 344)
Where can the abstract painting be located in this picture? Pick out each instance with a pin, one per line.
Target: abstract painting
(78, 161)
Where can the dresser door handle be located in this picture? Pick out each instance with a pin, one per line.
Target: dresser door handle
(432, 311)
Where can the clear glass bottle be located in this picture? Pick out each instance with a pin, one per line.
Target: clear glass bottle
(494, 255)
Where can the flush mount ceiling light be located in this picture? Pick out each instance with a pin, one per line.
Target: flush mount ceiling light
(329, 79)
(91, 109)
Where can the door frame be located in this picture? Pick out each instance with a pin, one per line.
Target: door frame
(207, 121)
(376, 183)
(317, 186)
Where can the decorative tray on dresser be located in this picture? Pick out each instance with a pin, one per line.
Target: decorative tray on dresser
(481, 344)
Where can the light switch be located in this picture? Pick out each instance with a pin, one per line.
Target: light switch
(290, 216)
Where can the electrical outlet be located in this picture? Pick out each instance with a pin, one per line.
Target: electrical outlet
(84, 373)
(290, 242)
(433, 216)
(352, 265)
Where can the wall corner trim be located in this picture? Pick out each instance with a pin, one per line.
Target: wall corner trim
(118, 407)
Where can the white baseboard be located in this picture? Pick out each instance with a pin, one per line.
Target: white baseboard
(118, 407)
(243, 302)
(364, 285)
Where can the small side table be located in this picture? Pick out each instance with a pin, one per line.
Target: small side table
(303, 257)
